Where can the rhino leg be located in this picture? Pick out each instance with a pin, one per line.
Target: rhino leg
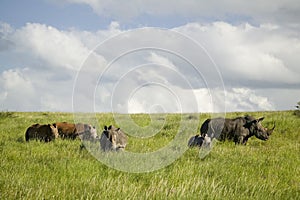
(245, 141)
(239, 140)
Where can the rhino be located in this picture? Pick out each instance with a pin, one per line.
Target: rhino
(46, 132)
(72, 131)
(112, 138)
(199, 141)
(86, 132)
(66, 130)
(239, 129)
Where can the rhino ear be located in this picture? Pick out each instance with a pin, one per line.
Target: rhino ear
(260, 119)
(249, 119)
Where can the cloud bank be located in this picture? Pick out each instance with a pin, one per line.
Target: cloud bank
(40, 65)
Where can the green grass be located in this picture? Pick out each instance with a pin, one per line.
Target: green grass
(62, 170)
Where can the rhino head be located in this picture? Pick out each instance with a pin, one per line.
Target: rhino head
(113, 138)
(256, 128)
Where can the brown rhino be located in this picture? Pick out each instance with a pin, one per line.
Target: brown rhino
(66, 130)
(72, 131)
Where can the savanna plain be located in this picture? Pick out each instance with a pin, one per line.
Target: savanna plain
(63, 169)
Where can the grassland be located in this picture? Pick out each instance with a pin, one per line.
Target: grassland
(62, 170)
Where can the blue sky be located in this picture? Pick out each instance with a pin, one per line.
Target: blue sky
(253, 45)
(79, 16)
(64, 16)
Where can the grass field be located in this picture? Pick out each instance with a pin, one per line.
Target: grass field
(62, 170)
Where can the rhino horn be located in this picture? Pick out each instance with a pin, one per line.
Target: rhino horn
(270, 131)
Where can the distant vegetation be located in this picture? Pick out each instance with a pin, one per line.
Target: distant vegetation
(297, 111)
(63, 170)
(5, 114)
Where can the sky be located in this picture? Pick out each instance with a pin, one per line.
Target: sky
(149, 56)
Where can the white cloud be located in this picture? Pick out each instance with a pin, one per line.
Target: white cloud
(160, 60)
(16, 90)
(240, 99)
(29, 90)
(250, 58)
(200, 100)
(57, 48)
(5, 31)
(248, 53)
(92, 39)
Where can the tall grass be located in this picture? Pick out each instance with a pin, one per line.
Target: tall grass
(63, 170)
